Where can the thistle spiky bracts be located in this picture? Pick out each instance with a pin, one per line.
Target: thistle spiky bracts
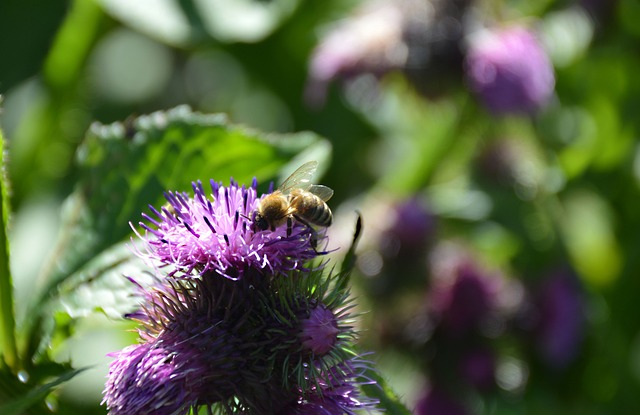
(309, 324)
(194, 349)
(235, 345)
(233, 334)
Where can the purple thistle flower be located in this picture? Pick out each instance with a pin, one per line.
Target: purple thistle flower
(307, 323)
(510, 71)
(189, 356)
(199, 235)
(242, 346)
(336, 392)
(135, 377)
(270, 337)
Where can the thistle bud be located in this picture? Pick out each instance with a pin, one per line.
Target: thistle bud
(319, 331)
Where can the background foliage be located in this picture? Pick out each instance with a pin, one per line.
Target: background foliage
(566, 196)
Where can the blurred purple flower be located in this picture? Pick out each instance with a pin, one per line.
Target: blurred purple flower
(198, 235)
(412, 227)
(437, 401)
(369, 42)
(477, 367)
(560, 326)
(465, 298)
(510, 71)
(421, 38)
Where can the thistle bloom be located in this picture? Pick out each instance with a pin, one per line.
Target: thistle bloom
(198, 235)
(510, 71)
(158, 378)
(189, 356)
(213, 342)
(336, 392)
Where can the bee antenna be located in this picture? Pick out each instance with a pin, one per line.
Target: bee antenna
(251, 220)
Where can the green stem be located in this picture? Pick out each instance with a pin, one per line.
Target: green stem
(7, 315)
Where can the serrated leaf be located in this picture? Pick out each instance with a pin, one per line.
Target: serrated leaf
(125, 167)
(100, 286)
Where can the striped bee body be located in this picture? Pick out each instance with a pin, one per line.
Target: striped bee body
(296, 198)
(310, 208)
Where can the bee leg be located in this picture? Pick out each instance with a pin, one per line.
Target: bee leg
(289, 226)
(313, 239)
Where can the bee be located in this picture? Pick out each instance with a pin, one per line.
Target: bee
(296, 198)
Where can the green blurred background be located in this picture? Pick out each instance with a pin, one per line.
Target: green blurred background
(568, 194)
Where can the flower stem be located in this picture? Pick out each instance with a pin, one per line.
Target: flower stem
(7, 317)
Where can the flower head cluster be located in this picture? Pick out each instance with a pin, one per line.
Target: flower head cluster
(510, 71)
(239, 323)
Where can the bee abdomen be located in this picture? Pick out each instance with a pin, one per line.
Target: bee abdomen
(320, 215)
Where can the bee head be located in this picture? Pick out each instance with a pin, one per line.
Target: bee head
(260, 222)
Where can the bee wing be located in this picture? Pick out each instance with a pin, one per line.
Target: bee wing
(299, 179)
(323, 192)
